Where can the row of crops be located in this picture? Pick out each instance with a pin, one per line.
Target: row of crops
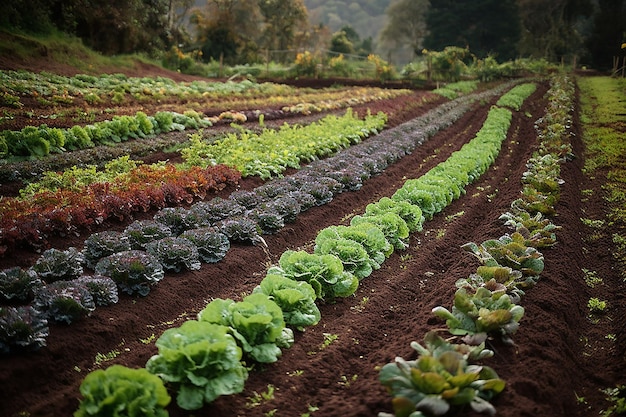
(342, 257)
(266, 210)
(486, 304)
(378, 235)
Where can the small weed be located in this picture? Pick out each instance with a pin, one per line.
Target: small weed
(617, 396)
(580, 400)
(596, 305)
(311, 409)
(595, 224)
(105, 357)
(271, 413)
(361, 306)
(297, 372)
(451, 217)
(492, 196)
(591, 278)
(440, 233)
(587, 192)
(611, 336)
(148, 339)
(257, 398)
(329, 338)
(345, 381)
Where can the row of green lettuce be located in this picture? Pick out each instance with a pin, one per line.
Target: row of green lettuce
(40, 141)
(57, 288)
(205, 358)
(448, 372)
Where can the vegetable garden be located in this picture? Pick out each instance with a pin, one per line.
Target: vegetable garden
(277, 251)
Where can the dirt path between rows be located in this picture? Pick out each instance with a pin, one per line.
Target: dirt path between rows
(544, 371)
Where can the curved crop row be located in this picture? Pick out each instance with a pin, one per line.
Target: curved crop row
(332, 270)
(344, 171)
(38, 142)
(485, 304)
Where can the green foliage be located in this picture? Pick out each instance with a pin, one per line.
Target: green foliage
(256, 322)
(119, 391)
(133, 271)
(410, 213)
(481, 313)
(202, 362)
(351, 253)
(509, 251)
(325, 273)
(394, 228)
(368, 235)
(22, 328)
(271, 152)
(296, 299)
(516, 96)
(440, 380)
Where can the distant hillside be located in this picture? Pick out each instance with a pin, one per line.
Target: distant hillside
(367, 17)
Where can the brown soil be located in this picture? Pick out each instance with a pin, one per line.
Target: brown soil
(559, 363)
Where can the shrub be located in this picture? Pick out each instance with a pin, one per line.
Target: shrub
(122, 391)
(175, 253)
(102, 244)
(17, 284)
(58, 265)
(211, 243)
(64, 301)
(133, 271)
(22, 328)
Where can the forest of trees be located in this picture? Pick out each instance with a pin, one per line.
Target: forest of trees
(591, 32)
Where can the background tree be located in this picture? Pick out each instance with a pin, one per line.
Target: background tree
(485, 26)
(341, 44)
(281, 21)
(406, 25)
(227, 29)
(551, 29)
(609, 33)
